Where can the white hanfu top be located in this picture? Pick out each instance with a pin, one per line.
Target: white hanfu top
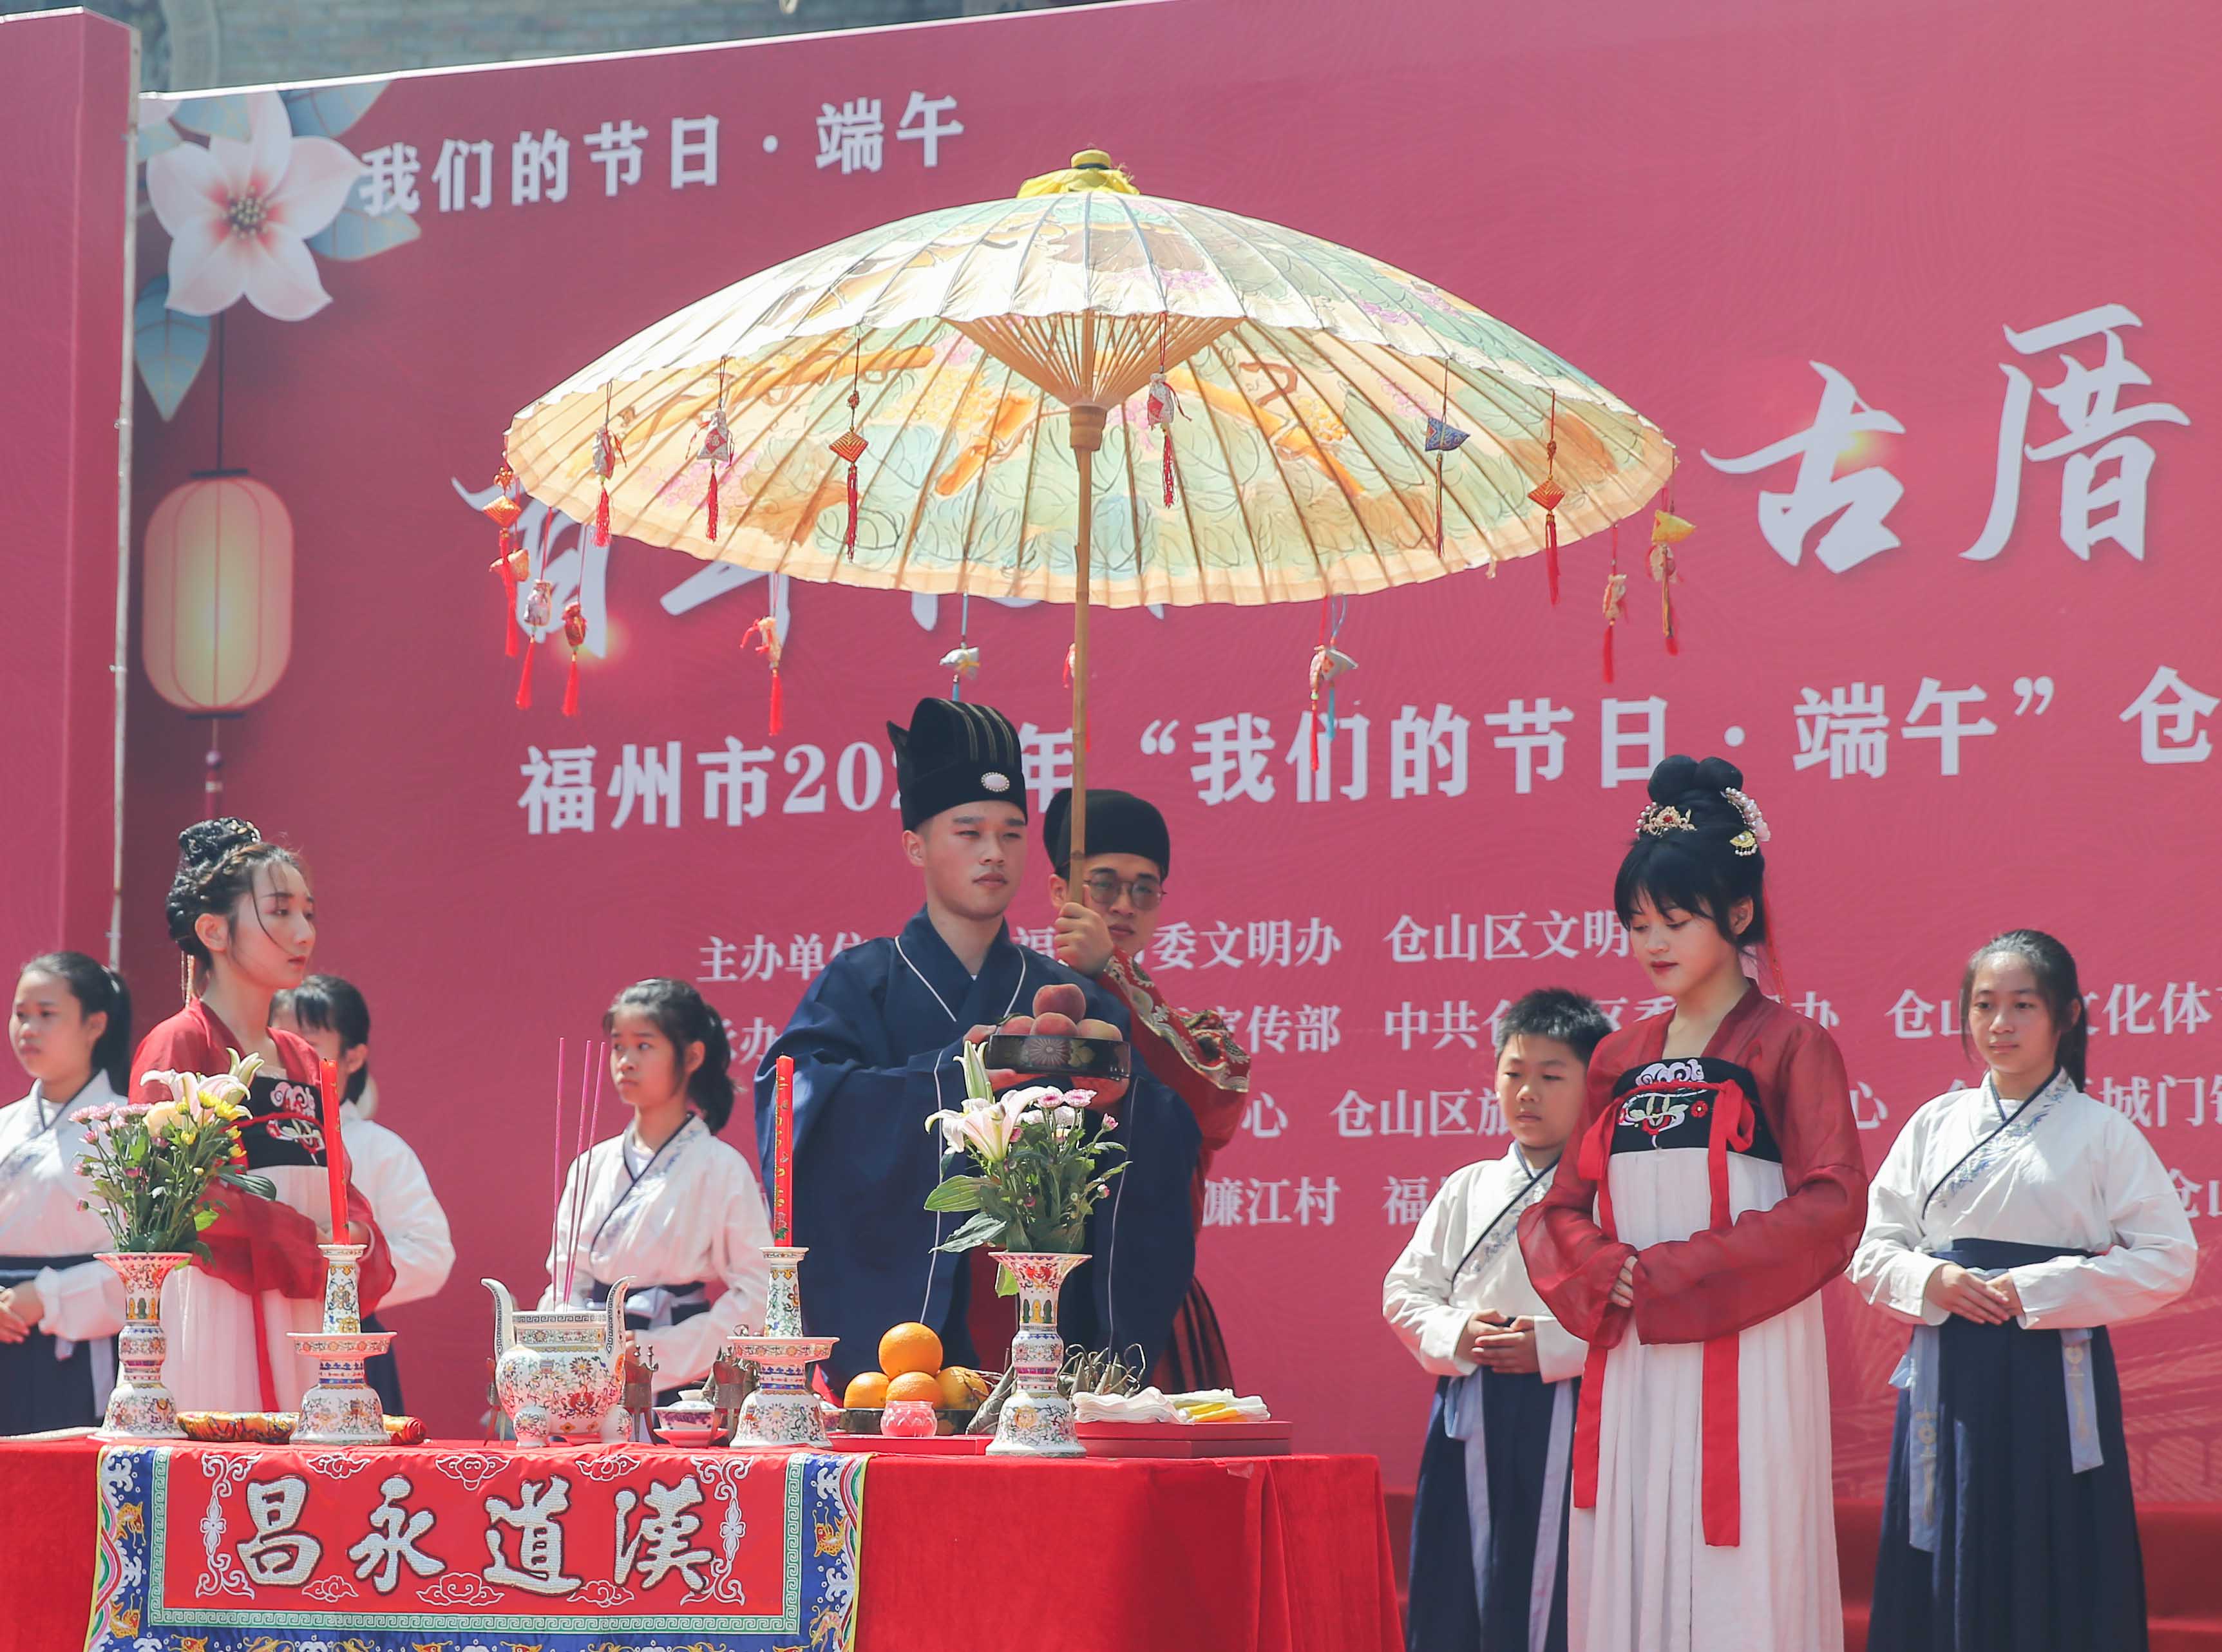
(695, 1214)
(387, 1172)
(40, 1188)
(2061, 1170)
(1474, 1219)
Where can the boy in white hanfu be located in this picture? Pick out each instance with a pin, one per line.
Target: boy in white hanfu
(1489, 1524)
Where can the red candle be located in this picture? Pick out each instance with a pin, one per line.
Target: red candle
(782, 1149)
(335, 1158)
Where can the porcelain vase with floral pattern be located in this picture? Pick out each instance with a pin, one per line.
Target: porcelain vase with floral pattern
(141, 1408)
(1036, 1421)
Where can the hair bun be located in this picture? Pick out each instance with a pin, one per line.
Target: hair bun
(1718, 775)
(206, 842)
(1675, 778)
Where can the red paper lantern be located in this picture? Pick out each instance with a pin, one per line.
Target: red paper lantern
(218, 626)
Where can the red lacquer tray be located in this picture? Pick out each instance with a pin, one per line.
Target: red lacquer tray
(1267, 1439)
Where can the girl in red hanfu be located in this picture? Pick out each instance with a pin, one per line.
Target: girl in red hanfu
(1717, 1184)
(241, 912)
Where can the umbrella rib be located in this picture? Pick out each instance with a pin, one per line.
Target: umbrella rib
(958, 270)
(948, 430)
(1349, 500)
(987, 465)
(1026, 499)
(1234, 482)
(1134, 487)
(1280, 472)
(1486, 392)
(1404, 442)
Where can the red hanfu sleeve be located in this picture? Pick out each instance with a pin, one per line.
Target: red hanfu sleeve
(1571, 1261)
(1713, 1285)
(1194, 1055)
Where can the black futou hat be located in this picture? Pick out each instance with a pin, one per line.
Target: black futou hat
(1119, 823)
(956, 752)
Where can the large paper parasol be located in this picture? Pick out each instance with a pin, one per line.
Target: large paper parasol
(925, 406)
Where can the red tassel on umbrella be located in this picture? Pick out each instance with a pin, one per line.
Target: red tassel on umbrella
(504, 509)
(574, 633)
(850, 446)
(1069, 662)
(524, 678)
(716, 452)
(766, 633)
(1157, 414)
(539, 612)
(1548, 494)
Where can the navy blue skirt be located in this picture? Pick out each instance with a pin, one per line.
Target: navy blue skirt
(2031, 1556)
(1444, 1613)
(38, 1391)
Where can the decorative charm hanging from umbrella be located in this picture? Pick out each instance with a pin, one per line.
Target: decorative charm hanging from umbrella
(925, 406)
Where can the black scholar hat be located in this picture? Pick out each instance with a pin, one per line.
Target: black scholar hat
(955, 752)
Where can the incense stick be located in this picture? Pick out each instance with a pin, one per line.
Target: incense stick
(578, 1204)
(556, 1207)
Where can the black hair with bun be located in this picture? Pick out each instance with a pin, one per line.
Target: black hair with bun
(98, 991)
(1696, 849)
(216, 861)
(682, 1015)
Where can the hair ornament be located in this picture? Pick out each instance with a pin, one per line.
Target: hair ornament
(1744, 843)
(1659, 818)
(1755, 823)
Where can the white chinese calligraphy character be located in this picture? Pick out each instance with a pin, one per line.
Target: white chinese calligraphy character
(1502, 930)
(640, 773)
(1648, 741)
(736, 782)
(665, 1531)
(1265, 1203)
(718, 960)
(1405, 1024)
(2088, 400)
(1353, 1115)
(1850, 730)
(1269, 1026)
(805, 956)
(539, 1566)
(277, 1554)
(2166, 710)
(1235, 751)
(1046, 756)
(761, 962)
(1407, 941)
(1427, 753)
(1446, 1112)
(390, 185)
(393, 1540)
(1222, 1202)
(452, 173)
(1272, 941)
(1407, 1200)
(1604, 934)
(1223, 938)
(1948, 731)
(1526, 733)
(1266, 1118)
(539, 168)
(2183, 1007)
(618, 148)
(849, 136)
(1319, 1028)
(1318, 943)
(922, 124)
(1173, 947)
(1858, 500)
(1346, 743)
(558, 794)
(1558, 935)
(1316, 1200)
(694, 152)
(1456, 1022)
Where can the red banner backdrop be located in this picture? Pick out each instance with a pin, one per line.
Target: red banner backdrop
(1928, 316)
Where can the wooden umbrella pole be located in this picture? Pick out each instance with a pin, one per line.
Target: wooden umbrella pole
(1087, 438)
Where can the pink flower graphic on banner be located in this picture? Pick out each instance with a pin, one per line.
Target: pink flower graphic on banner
(238, 213)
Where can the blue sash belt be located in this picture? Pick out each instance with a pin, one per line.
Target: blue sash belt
(1919, 1374)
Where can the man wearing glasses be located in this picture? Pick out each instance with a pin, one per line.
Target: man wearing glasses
(1102, 933)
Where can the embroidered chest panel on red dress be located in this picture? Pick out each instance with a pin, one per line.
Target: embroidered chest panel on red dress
(1670, 1104)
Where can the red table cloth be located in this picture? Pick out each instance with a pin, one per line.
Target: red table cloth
(1247, 1554)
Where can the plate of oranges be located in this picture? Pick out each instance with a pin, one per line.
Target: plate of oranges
(911, 1368)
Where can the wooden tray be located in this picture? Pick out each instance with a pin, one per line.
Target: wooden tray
(931, 1444)
(1270, 1438)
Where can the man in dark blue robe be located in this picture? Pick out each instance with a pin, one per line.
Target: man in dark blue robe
(876, 1042)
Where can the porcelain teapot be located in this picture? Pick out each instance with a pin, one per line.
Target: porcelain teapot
(557, 1370)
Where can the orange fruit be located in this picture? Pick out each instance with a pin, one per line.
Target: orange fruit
(867, 1391)
(959, 1388)
(910, 1348)
(916, 1384)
